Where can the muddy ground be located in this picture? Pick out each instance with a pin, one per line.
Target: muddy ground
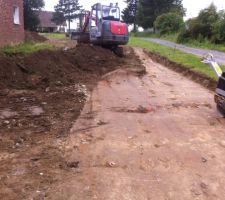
(41, 96)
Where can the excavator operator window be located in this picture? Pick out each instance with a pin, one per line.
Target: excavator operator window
(93, 18)
(110, 13)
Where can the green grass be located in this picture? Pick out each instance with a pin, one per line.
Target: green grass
(206, 45)
(25, 48)
(187, 60)
(191, 43)
(145, 34)
(58, 36)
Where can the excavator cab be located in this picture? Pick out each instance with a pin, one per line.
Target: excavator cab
(105, 27)
(102, 26)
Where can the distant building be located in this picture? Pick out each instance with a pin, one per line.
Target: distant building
(46, 23)
(11, 22)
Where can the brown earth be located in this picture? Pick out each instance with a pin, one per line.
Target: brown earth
(34, 37)
(41, 95)
(155, 137)
(200, 78)
(152, 136)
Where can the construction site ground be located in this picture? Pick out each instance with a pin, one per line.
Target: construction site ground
(83, 124)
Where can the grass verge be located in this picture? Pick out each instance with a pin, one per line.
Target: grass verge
(191, 43)
(189, 61)
(25, 48)
(205, 45)
(58, 36)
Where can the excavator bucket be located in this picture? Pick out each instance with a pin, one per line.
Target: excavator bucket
(82, 35)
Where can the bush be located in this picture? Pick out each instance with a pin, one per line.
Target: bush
(169, 23)
(183, 36)
(219, 29)
(208, 26)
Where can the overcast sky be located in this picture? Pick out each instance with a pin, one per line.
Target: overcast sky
(193, 6)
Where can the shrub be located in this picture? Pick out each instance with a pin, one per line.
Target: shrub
(208, 26)
(184, 36)
(169, 23)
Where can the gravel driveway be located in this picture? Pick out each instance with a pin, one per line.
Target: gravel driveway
(219, 56)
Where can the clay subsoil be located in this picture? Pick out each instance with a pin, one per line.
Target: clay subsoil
(41, 96)
(83, 124)
(154, 137)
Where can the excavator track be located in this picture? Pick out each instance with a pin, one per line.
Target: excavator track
(118, 51)
(220, 101)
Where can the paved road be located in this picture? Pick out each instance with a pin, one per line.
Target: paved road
(158, 137)
(219, 56)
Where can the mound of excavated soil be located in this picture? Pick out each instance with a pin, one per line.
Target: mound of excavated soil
(41, 95)
(34, 37)
(47, 68)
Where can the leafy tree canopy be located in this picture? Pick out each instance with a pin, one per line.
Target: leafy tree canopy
(129, 13)
(208, 25)
(31, 20)
(149, 10)
(169, 23)
(69, 8)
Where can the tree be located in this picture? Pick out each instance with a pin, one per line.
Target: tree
(129, 13)
(31, 19)
(69, 8)
(202, 26)
(169, 23)
(58, 18)
(219, 29)
(209, 25)
(149, 10)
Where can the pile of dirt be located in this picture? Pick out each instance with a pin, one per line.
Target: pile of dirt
(41, 95)
(34, 37)
(51, 68)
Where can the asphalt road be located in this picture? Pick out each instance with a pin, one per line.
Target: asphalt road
(219, 56)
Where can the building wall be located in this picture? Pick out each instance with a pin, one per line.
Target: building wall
(10, 32)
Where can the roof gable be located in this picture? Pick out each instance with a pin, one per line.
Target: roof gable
(45, 18)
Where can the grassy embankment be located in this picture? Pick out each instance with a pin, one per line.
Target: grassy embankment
(187, 60)
(32, 47)
(191, 43)
(25, 48)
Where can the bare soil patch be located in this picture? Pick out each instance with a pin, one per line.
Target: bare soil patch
(193, 75)
(34, 37)
(41, 95)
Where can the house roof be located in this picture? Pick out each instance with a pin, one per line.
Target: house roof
(45, 18)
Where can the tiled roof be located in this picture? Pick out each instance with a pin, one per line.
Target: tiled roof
(45, 18)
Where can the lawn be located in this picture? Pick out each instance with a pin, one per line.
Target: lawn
(187, 60)
(25, 48)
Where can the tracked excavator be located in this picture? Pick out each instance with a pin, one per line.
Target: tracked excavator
(220, 89)
(102, 26)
